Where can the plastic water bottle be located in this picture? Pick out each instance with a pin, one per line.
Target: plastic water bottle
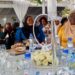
(58, 47)
(71, 54)
(70, 48)
(31, 42)
(63, 71)
(70, 45)
(37, 73)
(27, 63)
(64, 56)
(66, 52)
(57, 41)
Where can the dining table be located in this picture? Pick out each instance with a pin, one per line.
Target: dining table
(14, 65)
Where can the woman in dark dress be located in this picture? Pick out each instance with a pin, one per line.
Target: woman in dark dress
(24, 32)
(8, 35)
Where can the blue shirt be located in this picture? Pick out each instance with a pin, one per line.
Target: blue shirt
(1, 35)
(20, 36)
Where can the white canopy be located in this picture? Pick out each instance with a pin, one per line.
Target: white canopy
(52, 9)
(21, 8)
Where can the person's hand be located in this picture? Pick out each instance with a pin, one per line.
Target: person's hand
(43, 43)
(7, 36)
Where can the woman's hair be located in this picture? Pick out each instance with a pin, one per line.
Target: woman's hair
(25, 20)
(64, 19)
(9, 27)
(16, 24)
(43, 18)
(27, 29)
(72, 18)
(8, 24)
(1, 27)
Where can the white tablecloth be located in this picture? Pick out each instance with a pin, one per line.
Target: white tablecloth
(13, 65)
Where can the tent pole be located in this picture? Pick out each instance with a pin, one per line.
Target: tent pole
(43, 6)
(52, 13)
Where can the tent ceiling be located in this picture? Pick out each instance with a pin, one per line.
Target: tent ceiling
(6, 11)
(36, 11)
(10, 11)
(5, 0)
(8, 2)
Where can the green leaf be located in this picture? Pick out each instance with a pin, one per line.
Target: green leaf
(38, 1)
(65, 11)
(59, 1)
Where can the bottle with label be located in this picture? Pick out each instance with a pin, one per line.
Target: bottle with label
(67, 53)
(31, 42)
(64, 56)
(58, 47)
(27, 63)
(71, 54)
(70, 45)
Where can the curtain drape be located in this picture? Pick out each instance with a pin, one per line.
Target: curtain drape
(20, 8)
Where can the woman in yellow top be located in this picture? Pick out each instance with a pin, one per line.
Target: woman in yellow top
(63, 21)
(67, 30)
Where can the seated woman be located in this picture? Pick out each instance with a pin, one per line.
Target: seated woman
(43, 24)
(46, 28)
(63, 21)
(1, 32)
(1, 35)
(68, 30)
(8, 35)
(24, 32)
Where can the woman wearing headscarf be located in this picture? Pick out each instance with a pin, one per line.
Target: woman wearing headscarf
(8, 35)
(24, 32)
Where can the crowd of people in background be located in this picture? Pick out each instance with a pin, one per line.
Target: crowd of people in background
(64, 28)
(7, 34)
(13, 33)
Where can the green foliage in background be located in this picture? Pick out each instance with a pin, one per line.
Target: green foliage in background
(65, 12)
(64, 0)
(59, 1)
(38, 1)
